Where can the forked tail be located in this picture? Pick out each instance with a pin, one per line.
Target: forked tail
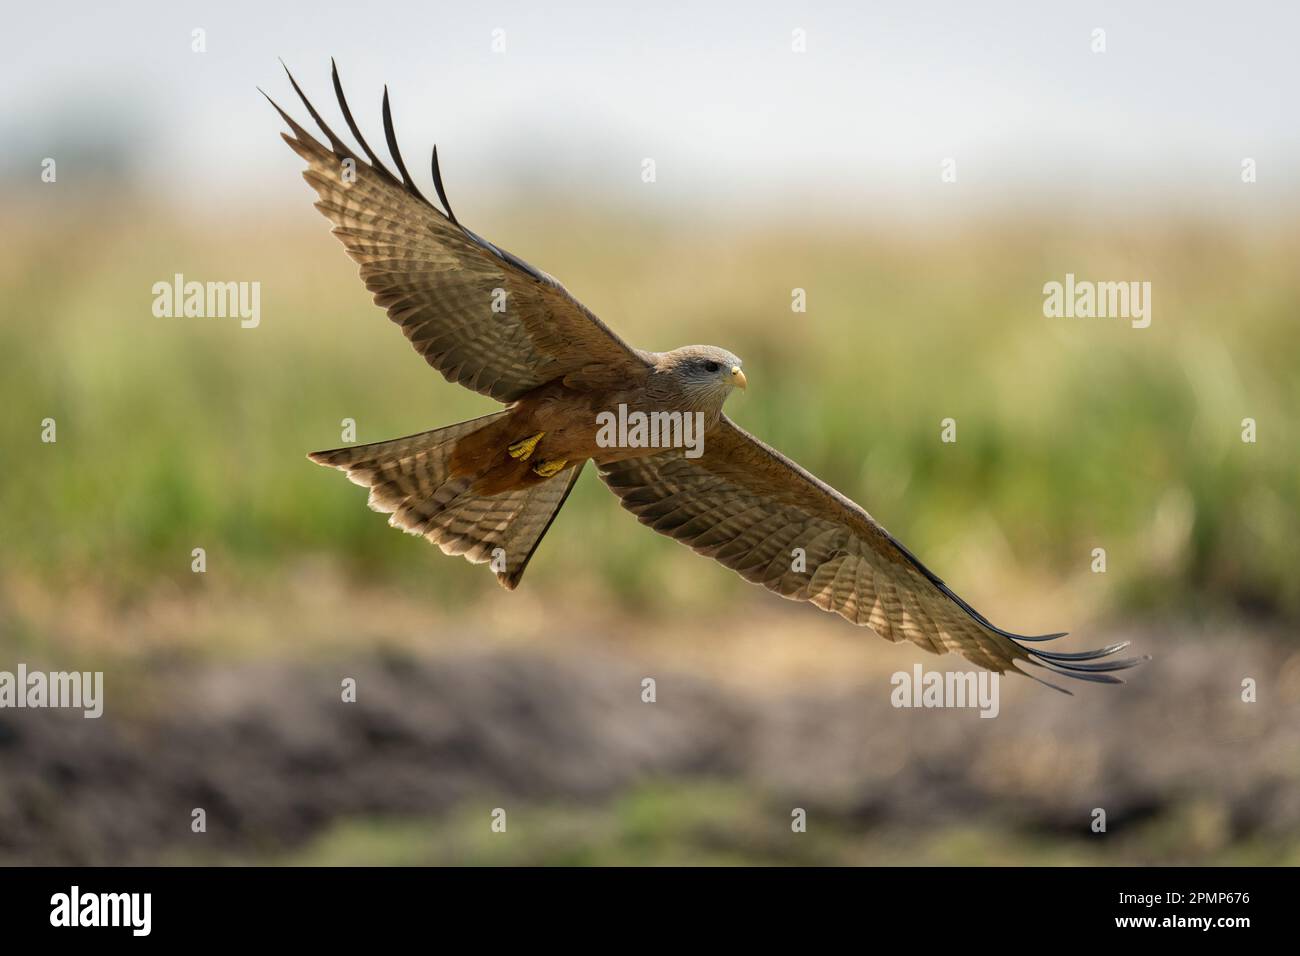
(412, 480)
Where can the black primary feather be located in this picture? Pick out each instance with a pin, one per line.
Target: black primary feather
(1058, 662)
(405, 182)
(437, 185)
(352, 125)
(397, 153)
(335, 143)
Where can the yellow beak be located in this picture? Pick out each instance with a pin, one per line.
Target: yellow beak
(738, 376)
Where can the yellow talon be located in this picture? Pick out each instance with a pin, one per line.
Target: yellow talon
(548, 468)
(522, 449)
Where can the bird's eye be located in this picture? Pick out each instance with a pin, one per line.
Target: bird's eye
(711, 366)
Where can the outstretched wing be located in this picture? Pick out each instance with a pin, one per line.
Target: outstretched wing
(479, 315)
(749, 507)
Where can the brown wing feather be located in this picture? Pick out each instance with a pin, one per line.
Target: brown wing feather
(438, 281)
(411, 479)
(748, 506)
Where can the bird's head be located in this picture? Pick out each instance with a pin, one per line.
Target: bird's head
(704, 373)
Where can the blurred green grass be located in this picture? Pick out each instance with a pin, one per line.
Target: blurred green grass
(1072, 434)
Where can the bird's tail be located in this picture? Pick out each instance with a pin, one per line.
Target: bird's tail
(413, 480)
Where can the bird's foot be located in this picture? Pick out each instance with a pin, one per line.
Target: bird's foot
(523, 448)
(548, 468)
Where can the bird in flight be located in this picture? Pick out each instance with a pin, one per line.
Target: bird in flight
(574, 391)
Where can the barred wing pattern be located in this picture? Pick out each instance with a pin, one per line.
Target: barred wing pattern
(410, 479)
(748, 507)
(439, 281)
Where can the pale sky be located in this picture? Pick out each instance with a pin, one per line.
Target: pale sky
(732, 117)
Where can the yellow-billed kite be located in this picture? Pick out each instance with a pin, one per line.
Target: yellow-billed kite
(489, 488)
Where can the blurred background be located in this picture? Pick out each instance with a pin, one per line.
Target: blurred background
(775, 170)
